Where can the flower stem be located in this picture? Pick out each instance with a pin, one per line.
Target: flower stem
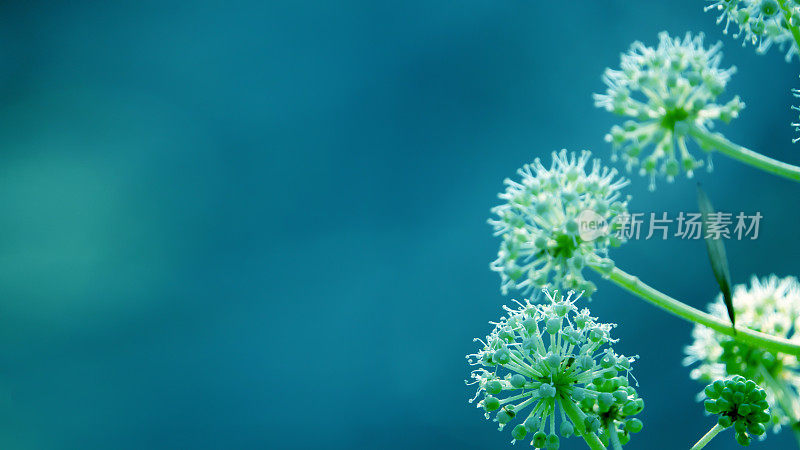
(708, 437)
(576, 416)
(613, 437)
(686, 312)
(757, 160)
(787, 15)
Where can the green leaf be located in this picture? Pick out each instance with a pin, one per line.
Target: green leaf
(716, 254)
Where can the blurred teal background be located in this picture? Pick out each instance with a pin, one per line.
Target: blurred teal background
(263, 224)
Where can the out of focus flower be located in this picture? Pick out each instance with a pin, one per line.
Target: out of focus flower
(664, 91)
(772, 306)
(763, 23)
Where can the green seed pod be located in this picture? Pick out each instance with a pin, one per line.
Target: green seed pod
(604, 401)
(539, 439)
(531, 423)
(567, 429)
(494, 387)
(554, 325)
(756, 429)
(490, 403)
(517, 381)
(552, 442)
(519, 432)
(592, 423)
(502, 356)
(743, 439)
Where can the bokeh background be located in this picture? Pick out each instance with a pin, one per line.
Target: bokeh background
(263, 224)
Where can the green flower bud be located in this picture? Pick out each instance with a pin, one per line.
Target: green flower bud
(554, 325)
(743, 439)
(490, 403)
(519, 432)
(592, 423)
(517, 381)
(634, 425)
(502, 356)
(552, 442)
(539, 439)
(494, 387)
(604, 401)
(567, 429)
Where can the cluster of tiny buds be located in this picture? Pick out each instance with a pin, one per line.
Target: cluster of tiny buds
(540, 218)
(740, 403)
(763, 23)
(545, 363)
(667, 92)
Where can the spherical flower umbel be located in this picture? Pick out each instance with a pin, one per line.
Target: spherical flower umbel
(740, 403)
(770, 305)
(549, 370)
(540, 223)
(762, 22)
(665, 91)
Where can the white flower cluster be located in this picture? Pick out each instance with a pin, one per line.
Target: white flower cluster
(772, 306)
(665, 90)
(542, 361)
(540, 223)
(762, 22)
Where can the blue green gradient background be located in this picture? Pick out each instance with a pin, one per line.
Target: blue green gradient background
(263, 224)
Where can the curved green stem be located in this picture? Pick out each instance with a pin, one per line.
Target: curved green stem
(684, 311)
(708, 437)
(757, 160)
(787, 16)
(577, 416)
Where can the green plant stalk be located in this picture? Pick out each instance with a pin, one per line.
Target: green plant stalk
(708, 437)
(686, 312)
(576, 416)
(787, 15)
(757, 160)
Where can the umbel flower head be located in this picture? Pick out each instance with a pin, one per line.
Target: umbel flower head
(541, 217)
(772, 306)
(762, 22)
(740, 403)
(549, 370)
(665, 91)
